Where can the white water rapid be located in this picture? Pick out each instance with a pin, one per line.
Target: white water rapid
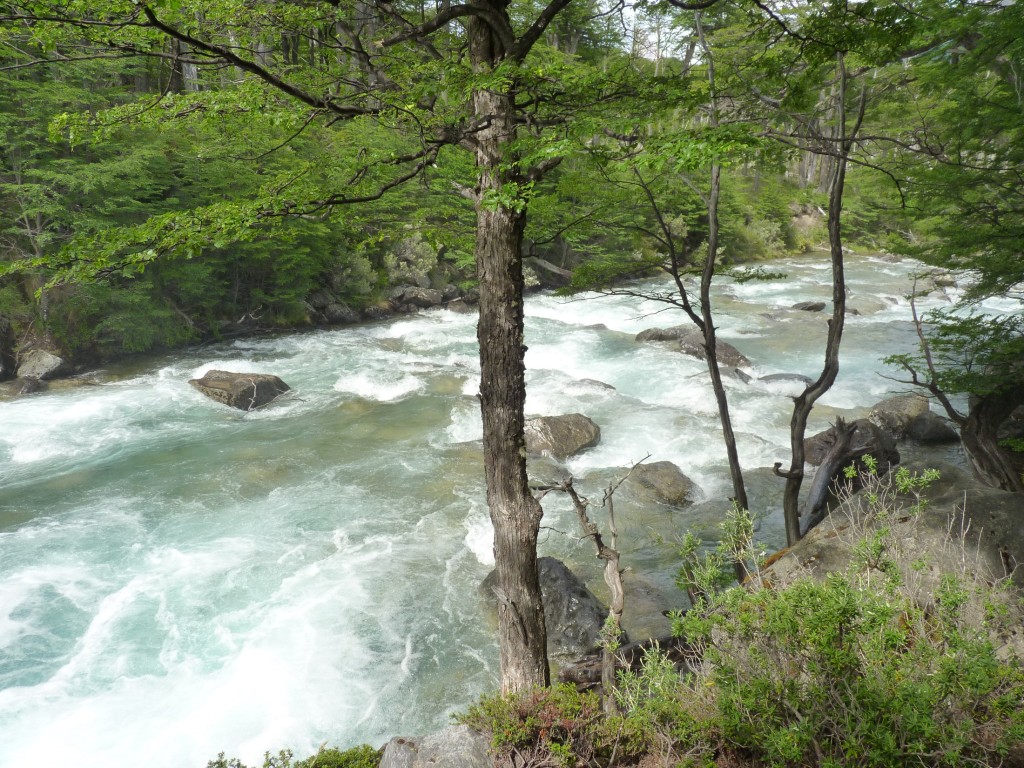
(179, 579)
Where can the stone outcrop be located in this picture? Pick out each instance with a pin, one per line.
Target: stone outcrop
(661, 481)
(40, 364)
(419, 298)
(456, 747)
(572, 614)
(561, 436)
(246, 391)
(19, 387)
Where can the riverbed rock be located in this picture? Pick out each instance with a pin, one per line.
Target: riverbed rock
(809, 306)
(661, 481)
(460, 306)
(796, 378)
(673, 333)
(561, 436)
(929, 428)
(41, 364)
(458, 746)
(421, 298)
(246, 391)
(340, 314)
(692, 344)
(895, 414)
(573, 615)
(868, 438)
(18, 387)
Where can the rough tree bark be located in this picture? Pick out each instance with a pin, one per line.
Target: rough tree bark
(515, 513)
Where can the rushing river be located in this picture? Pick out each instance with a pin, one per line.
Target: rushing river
(179, 579)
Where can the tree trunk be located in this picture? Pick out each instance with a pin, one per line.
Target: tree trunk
(515, 513)
(803, 404)
(979, 433)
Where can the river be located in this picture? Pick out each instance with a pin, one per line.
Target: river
(179, 579)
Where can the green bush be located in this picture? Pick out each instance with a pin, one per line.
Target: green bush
(363, 756)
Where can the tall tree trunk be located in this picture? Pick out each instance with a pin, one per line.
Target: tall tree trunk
(841, 142)
(515, 513)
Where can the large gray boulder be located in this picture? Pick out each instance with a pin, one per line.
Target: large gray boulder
(421, 298)
(661, 481)
(561, 436)
(573, 615)
(691, 342)
(931, 429)
(809, 306)
(895, 414)
(456, 747)
(40, 364)
(246, 391)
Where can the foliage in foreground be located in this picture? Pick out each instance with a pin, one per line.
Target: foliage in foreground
(862, 668)
(363, 756)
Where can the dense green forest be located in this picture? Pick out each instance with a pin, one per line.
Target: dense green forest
(179, 171)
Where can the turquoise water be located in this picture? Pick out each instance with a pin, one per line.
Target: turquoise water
(179, 579)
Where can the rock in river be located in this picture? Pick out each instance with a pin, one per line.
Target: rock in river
(561, 436)
(246, 391)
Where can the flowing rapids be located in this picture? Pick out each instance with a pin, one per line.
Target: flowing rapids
(179, 579)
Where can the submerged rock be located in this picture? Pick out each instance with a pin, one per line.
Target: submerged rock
(245, 391)
(561, 436)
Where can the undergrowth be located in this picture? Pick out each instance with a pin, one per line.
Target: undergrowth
(865, 667)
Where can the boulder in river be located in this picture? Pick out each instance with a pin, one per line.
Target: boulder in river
(40, 364)
(421, 298)
(929, 428)
(895, 414)
(662, 481)
(691, 342)
(572, 614)
(561, 436)
(19, 387)
(246, 391)
(809, 306)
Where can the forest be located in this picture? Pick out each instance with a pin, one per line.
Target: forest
(186, 171)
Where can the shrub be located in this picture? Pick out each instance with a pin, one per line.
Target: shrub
(363, 756)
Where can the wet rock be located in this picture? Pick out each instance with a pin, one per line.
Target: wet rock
(460, 306)
(693, 345)
(868, 438)
(339, 314)
(809, 306)
(691, 342)
(450, 292)
(458, 746)
(895, 414)
(929, 428)
(797, 378)
(561, 436)
(572, 613)
(421, 298)
(674, 333)
(661, 481)
(736, 373)
(246, 391)
(19, 387)
(40, 364)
